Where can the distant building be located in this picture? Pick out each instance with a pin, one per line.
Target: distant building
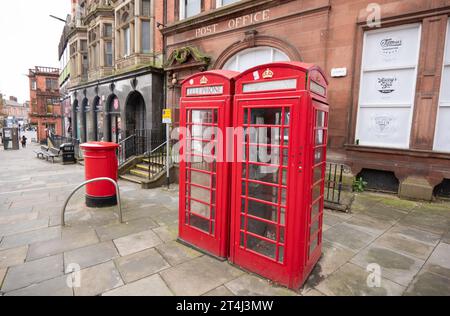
(12, 108)
(45, 109)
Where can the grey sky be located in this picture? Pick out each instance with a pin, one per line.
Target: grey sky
(28, 38)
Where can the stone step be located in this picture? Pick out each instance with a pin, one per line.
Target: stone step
(142, 166)
(131, 178)
(139, 173)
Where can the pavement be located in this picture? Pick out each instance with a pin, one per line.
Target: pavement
(385, 246)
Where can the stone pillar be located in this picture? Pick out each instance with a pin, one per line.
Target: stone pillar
(416, 188)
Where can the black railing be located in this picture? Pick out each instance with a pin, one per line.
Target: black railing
(157, 160)
(334, 183)
(141, 143)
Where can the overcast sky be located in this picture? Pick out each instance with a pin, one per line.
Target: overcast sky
(28, 38)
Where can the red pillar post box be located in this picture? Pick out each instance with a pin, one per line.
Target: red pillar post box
(100, 162)
(278, 182)
(205, 115)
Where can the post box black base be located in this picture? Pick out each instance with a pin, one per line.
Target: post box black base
(97, 202)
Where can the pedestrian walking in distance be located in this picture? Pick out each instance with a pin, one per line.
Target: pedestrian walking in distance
(24, 141)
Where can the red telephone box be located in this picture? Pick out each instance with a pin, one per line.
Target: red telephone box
(279, 174)
(205, 114)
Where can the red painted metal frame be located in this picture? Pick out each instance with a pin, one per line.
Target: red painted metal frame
(292, 270)
(215, 241)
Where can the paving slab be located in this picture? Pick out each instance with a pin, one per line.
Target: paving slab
(351, 280)
(140, 265)
(370, 225)
(54, 287)
(137, 243)
(72, 238)
(221, 291)
(446, 237)
(411, 233)
(396, 267)
(33, 272)
(405, 245)
(349, 237)
(117, 230)
(330, 219)
(13, 257)
(176, 253)
(429, 284)
(30, 237)
(332, 259)
(92, 255)
(439, 261)
(99, 279)
(22, 227)
(17, 218)
(199, 276)
(313, 293)
(429, 222)
(2, 276)
(151, 286)
(167, 233)
(249, 285)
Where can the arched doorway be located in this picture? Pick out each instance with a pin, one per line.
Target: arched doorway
(113, 120)
(75, 109)
(251, 57)
(135, 113)
(82, 121)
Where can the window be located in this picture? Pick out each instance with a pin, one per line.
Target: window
(126, 42)
(146, 8)
(145, 40)
(49, 106)
(387, 89)
(252, 57)
(83, 45)
(107, 31)
(442, 137)
(221, 3)
(189, 8)
(51, 84)
(108, 54)
(33, 85)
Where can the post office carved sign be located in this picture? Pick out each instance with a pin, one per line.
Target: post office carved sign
(235, 23)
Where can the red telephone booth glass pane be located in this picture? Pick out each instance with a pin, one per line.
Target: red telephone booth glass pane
(319, 166)
(264, 179)
(201, 170)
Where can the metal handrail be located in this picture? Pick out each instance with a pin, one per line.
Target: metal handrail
(63, 212)
(128, 138)
(157, 148)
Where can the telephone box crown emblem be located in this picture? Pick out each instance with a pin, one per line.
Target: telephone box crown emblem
(204, 80)
(268, 74)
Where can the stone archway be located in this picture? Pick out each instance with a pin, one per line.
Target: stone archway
(135, 114)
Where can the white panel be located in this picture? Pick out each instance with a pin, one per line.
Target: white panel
(442, 139)
(447, 50)
(392, 47)
(384, 127)
(388, 87)
(445, 86)
(252, 57)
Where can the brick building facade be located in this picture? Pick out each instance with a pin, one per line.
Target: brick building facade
(387, 64)
(45, 107)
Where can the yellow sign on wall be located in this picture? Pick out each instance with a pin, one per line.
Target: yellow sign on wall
(167, 116)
